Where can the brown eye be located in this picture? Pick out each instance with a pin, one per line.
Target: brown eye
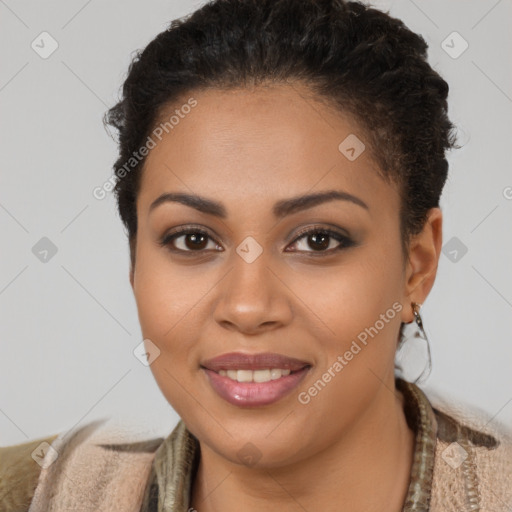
(321, 240)
(188, 240)
(195, 241)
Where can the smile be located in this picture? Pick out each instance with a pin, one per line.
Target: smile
(250, 380)
(254, 393)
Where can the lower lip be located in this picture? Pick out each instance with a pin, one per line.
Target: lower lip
(251, 394)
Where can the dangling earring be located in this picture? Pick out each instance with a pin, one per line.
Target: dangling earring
(421, 334)
(417, 318)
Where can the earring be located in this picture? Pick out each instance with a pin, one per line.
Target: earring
(421, 333)
(417, 318)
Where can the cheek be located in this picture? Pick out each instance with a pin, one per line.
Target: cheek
(166, 297)
(349, 297)
(165, 293)
(354, 309)
(358, 304)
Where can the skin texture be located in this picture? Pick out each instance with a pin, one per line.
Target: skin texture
(349, 448)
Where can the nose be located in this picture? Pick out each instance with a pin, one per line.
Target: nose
(252, 298)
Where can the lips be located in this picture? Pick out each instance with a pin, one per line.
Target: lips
(252, 386)
(262, 361)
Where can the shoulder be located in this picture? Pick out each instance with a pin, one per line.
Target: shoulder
(20, 467)
(34, 473)
(474, 450)
(457, 419)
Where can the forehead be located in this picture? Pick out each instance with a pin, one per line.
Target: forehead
(263, 142)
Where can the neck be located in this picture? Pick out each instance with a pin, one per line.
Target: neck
(367, 470)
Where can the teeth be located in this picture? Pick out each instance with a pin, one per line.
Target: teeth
(244, 375)
(261, 375)
(255, 375)
(275, 373)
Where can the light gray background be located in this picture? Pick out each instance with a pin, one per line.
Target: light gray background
(69, 326)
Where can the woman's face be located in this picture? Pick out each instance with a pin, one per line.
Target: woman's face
(256, 284)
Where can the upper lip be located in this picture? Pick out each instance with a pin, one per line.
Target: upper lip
(262, 361)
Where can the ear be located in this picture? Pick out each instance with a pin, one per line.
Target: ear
(422, 262)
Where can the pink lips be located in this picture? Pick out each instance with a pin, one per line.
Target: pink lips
(251, 394)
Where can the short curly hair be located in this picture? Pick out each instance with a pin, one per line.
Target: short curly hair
(358, 59)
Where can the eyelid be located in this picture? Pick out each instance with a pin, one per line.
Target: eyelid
(318, 227)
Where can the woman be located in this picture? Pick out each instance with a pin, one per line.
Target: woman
(279, 177)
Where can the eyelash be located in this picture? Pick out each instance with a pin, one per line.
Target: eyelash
(345, 242)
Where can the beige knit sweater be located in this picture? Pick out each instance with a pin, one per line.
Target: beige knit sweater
(463, 461)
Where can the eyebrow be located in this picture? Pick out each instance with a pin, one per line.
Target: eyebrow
(281, 208)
